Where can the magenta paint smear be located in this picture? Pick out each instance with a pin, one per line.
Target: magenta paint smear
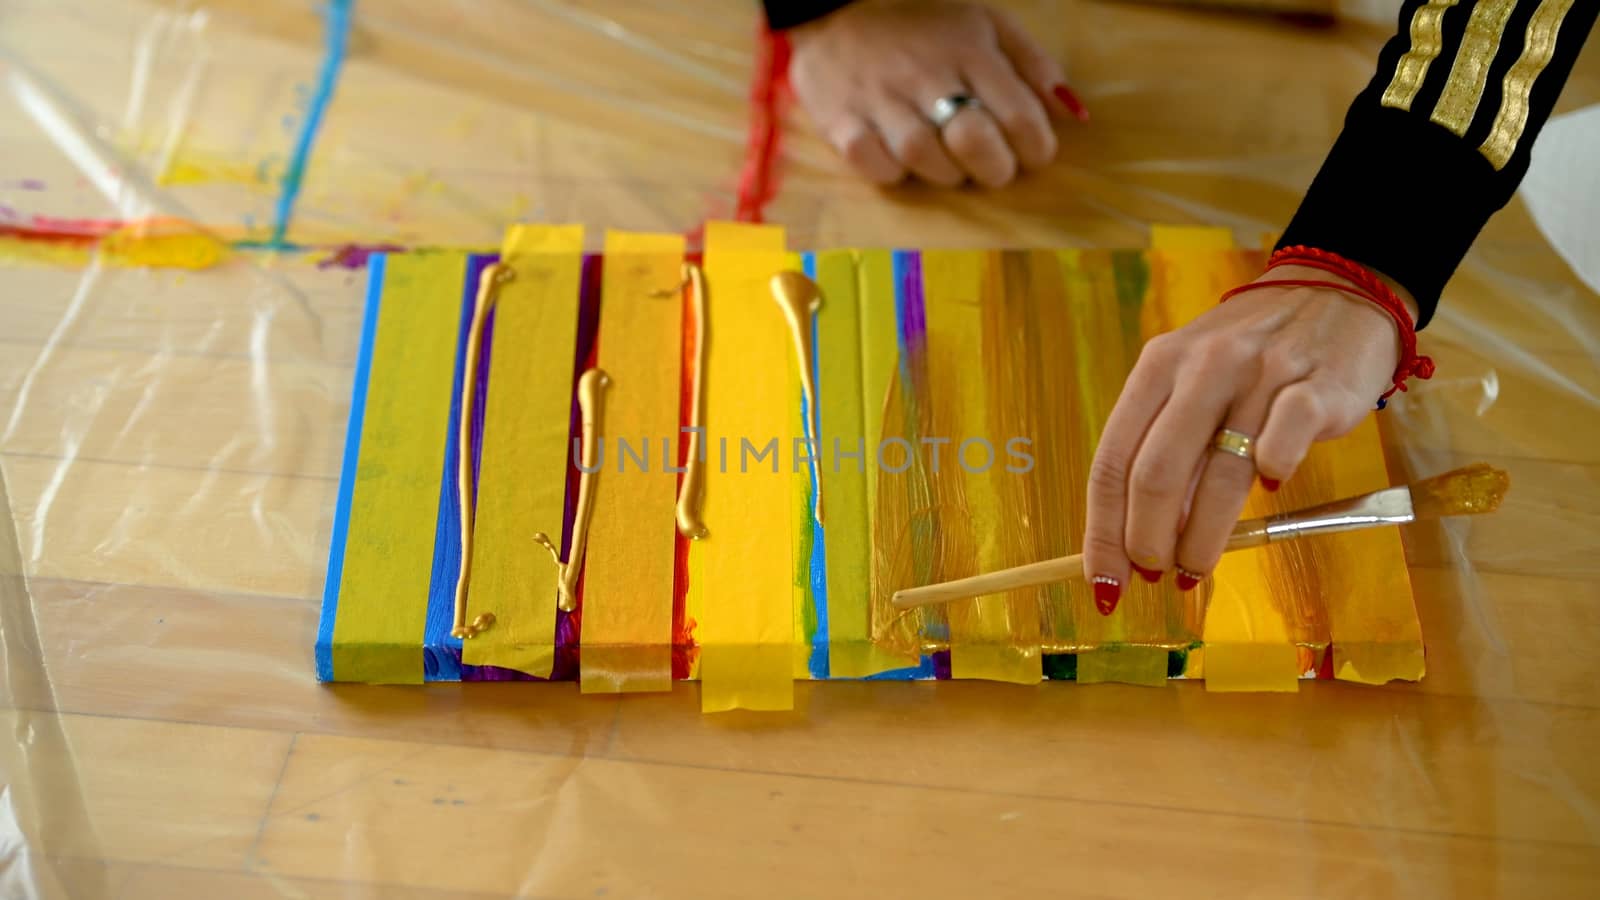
(24, 184)
(356, 256)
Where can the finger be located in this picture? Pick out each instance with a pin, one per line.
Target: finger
(1301, 414)
(1043, 75)
(1159, 481)
(859, 142)
(1020, 115)
(1220, 495)
(915, 143)
(972, 138)
(975, 141)
(1104, 559)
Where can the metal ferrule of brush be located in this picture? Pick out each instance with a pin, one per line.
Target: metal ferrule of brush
(1387, 507)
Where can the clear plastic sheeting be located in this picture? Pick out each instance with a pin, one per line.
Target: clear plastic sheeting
(170, 440)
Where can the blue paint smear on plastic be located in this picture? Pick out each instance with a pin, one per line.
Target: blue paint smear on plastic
(347, 472)
(441, 651)
(338, 37)
(819, 661)
(922, 671)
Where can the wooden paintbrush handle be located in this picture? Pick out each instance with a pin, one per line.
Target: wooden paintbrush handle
(1050, 571)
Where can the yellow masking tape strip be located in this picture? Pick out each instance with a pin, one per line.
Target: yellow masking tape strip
(842, 332)
(523, 471)
(1191, 237)
(383, 592)
(989, 639)
(627, 582)
(1246, 638)
(1126, 664)
(745, 599)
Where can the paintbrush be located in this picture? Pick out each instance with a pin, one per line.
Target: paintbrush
(1470, 491)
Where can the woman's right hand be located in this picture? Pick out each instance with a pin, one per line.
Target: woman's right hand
(870, 73)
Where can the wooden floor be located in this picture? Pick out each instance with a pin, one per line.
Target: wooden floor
(169, 445)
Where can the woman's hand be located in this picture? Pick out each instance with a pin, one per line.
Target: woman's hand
(869, 75)
(1286, 366)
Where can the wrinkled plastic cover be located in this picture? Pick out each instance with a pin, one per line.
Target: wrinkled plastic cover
(170, 440)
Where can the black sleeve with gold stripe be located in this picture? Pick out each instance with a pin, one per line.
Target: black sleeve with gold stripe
(1440, 138)
(783, 14)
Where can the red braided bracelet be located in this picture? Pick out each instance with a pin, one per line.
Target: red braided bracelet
(1368, 287)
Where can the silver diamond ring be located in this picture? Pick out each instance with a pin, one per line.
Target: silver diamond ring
(948, 107)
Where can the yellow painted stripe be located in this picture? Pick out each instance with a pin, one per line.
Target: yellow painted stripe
(1538, 48)
(876, 297)
(1358, 580)
(1427, 40)
(1372, 612)
(1463, 91)
(383, 592)
(841, 334)
(1246, 637)
(627, 587)
(523, 472)
(990, 636)
(745, 599)
(880, 354)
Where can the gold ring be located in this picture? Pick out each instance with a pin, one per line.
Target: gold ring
(1236, 442)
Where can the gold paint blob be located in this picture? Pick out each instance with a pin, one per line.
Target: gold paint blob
(1471, 491)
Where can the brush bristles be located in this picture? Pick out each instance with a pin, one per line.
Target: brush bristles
(1471, 491)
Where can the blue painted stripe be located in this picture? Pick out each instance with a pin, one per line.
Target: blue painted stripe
(441, 651)
(347, 472)
(819, 661)
(337, 34)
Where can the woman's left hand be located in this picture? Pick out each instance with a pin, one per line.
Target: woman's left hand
(1286, 366)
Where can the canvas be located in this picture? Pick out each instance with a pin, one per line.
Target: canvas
(943, 425)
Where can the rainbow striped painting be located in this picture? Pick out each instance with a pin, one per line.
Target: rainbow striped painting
(942, 425)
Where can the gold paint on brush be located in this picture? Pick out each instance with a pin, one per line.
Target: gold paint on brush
(591, 411)
(489, 283)
(691, 493)
(800, 298)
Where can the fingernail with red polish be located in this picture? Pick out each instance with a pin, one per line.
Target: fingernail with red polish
(1150, 575)
(1107, 591)
(1071, 102)
(1187, 580)
(1270, 484)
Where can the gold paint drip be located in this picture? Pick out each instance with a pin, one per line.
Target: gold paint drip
(489, 283)
(691, 493)
(800, 298)
(591, 409)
